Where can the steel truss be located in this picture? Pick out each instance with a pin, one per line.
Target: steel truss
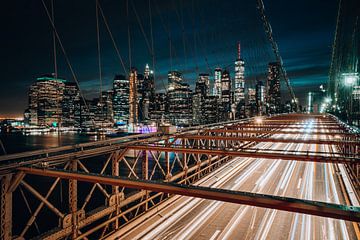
(97, 208)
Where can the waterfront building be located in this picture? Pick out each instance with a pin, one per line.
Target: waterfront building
(133, 97)
(45, 101)
(121, 94)
(69, 104)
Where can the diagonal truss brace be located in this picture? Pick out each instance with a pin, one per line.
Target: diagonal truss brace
(350, 213)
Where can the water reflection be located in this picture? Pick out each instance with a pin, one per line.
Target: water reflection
(19, 142)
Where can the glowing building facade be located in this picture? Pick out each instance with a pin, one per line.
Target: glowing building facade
(217, 82)
(225, 95)
(179, 100)
(273, 84)
(133, 97)
(121, 94)
(45, 101)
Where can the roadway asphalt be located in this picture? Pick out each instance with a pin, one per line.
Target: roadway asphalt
(194, 218)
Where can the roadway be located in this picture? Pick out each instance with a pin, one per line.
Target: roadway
(193, 218)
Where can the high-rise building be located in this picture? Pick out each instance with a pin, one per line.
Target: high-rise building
(225, 96)
(83, 116)
(210, 110)
(273, 84)
(239, 82)
(140, 94)
(260, 98)
(179, 100)
(217, 82)
(203, 84)
(45, 101)
(174, 80)
(133, 97)
(107, 107)
(202, 90)
(148, 93)
(159, 110)
(121, 94)
(251, 106)
(70, 103)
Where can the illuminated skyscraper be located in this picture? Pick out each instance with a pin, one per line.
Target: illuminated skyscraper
(203, 84)
(121, 94)
(210, 109)
(148, 93)
(69, 105)
(273, 84)
(239, 91)
(45, 101)
(225, 95)
(239, 85)
(201, 92)
(179, 100)
(159, 110)
(251, 106)
(133, 97)
(260, 98)
(217, 82)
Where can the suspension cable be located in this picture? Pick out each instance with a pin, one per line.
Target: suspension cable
(275, 48)
(67, 60)
(113, 39)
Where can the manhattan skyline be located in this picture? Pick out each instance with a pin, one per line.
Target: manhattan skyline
(30, 47)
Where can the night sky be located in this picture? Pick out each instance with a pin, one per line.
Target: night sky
(203, 35)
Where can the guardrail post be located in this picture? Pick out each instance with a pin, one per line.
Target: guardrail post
(145, 174)
(115, 189)
(73, 200)
(6, 208)
(167, 161)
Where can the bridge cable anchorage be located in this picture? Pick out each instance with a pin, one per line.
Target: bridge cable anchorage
(275, 48)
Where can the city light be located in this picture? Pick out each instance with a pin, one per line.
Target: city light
(350, 78)
(258, 120)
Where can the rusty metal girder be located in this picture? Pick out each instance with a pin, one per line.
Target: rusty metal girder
(261, 139)
(253, 154)
(323, 209)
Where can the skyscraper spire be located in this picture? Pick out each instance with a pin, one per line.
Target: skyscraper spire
(239, 50)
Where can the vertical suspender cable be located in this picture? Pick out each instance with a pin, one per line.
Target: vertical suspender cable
(98, 49)
(65, 54)
(128, 30)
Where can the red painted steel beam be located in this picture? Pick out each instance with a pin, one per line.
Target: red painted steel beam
(316, 208)
(279, 132)
(282, 140)
(264, 126)
(253, 154)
